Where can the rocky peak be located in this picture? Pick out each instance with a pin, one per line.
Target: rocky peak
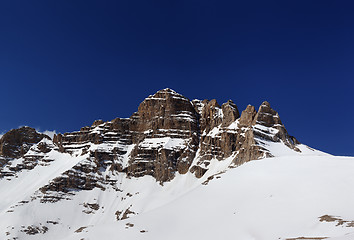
(272, 128)
(168, 127)
(247, 116)
(166, 109)
(230, 113)
(168, 134)
(17, 142)
(267, 116)
(97, 122)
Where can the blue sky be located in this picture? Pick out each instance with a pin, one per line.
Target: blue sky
(64, 64)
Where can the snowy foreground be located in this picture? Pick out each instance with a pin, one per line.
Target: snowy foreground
(295, 196)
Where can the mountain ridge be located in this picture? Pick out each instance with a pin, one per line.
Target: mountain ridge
(183, 124)
(116, 172)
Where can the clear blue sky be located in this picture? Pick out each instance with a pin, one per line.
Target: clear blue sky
(64, 64)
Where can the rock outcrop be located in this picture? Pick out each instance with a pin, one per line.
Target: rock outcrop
(169, 134)
(17, 142)
(26, 144)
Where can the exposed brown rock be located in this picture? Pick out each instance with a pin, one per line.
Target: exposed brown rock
(165, 110)
(17, 142)
(164, 114)
(80, 229)
(33, 230)
(249, 150)
(247, 116)
(97, 122)
(120, 215)
(198, 171)
(266, 116)
(211, 115)
(338, 220)
(214, 118)
(253, 128)
(160, 139)
(230, 113)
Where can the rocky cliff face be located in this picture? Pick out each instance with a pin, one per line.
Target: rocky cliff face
(17, 142)
(169, 134)
(169, 139)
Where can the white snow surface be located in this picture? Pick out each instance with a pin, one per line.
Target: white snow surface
(277, 198)
(28, 181)
(165, 143)
(274, 198)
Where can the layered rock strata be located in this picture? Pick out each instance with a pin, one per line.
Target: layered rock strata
(169, 134)
(17, 144)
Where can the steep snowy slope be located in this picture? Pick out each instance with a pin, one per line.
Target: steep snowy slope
(292, 197)
(287, 197)
(174, 169)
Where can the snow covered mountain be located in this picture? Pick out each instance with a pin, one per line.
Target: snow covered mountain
(176, 169)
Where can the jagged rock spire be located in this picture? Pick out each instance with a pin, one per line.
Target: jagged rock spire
(267, 116)
(230, 113)
(247, 116)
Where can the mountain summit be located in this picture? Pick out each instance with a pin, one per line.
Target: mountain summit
(113, 171)
(164, 136)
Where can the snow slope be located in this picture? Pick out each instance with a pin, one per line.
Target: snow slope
(273, 198)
